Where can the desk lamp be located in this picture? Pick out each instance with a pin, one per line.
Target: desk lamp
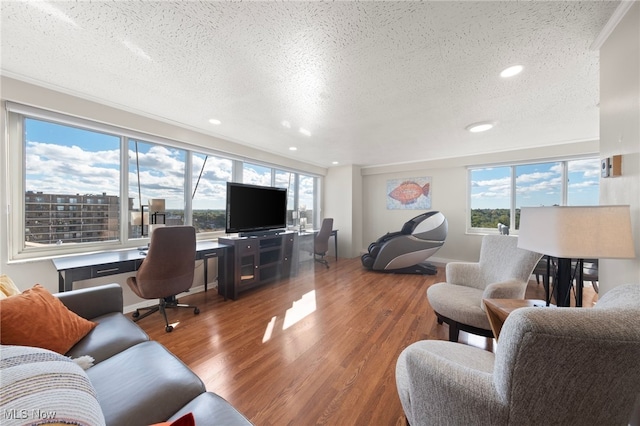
(566, 233)
(139, 219)
(157, 210)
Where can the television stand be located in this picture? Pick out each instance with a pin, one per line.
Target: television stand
(258, 259)
(265, 233)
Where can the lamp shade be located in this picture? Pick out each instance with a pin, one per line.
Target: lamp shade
(586, 232)
(156, 205)
(136, 218)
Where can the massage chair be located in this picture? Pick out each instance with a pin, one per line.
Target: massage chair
(406, 251)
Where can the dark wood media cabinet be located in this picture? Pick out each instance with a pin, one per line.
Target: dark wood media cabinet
(258, 260)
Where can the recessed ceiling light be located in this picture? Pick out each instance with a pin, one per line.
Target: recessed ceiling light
(304, 131)
(214, 121)
(335, 163)
(479, 127)
(511, 71)
(286, 124)
(293, 148)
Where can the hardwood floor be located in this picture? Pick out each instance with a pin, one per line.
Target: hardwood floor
(319, 348)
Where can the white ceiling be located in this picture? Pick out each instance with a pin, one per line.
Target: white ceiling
(374, 82)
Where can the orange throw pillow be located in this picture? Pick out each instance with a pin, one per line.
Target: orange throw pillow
(37, 318)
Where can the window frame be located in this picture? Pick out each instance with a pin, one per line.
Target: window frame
(513, 190)
(15, 114)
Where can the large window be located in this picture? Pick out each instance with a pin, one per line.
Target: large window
(490, 196)
(497, 193)
(301, 203)
(255, 174)
(306, 200)
(156, 172)
(284, 179)
(583, 182)
(210, 176)
(71, 185)
(78, 185)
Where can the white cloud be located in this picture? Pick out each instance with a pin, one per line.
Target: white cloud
(491, 182)
(535, 177)
(584, 184)
(62, 169)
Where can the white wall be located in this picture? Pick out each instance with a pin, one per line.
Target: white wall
(343, 202)
(449, 195)
(620, 135)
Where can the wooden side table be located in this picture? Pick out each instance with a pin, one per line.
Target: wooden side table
(499, 309)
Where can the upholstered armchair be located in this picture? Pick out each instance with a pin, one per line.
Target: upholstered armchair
(561, 366)
(501, 273)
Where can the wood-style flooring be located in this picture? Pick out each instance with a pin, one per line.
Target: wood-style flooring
(316, 349)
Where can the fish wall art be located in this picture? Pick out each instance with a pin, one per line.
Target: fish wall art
(409, 193)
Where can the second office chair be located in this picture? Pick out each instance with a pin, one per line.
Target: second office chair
(321, 241)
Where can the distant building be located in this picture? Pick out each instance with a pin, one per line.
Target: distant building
(64, 218)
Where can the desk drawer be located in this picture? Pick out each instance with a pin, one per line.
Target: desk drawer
(208, 254)
(114, 268)
(77, 274)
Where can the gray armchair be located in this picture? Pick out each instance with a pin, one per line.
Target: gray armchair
(501, 273)
(559, 366)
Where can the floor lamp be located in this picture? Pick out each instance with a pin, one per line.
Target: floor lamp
(566, 233)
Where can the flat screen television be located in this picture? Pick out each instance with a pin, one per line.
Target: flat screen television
(253, 209)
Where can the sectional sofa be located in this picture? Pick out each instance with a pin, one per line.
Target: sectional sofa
(134, 380)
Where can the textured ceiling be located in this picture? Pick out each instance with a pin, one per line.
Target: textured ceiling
(373, 82)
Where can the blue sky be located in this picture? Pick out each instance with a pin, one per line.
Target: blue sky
(537, 185)
(66, 160)
(56, 163)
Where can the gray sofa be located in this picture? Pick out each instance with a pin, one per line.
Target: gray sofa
(138, 381)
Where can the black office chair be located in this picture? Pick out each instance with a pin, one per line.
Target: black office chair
(166, 271)
(321, 242)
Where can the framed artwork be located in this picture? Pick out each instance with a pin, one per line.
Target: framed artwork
(409, 194)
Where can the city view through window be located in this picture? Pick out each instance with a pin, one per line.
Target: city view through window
(72, 179)
(73, 175)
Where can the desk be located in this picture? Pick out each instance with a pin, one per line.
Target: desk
(87, 266)
(499, 309)
(334, 234)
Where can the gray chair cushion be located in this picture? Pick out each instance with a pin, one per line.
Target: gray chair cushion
(132, 385)
(462, 303)
(113, 334)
